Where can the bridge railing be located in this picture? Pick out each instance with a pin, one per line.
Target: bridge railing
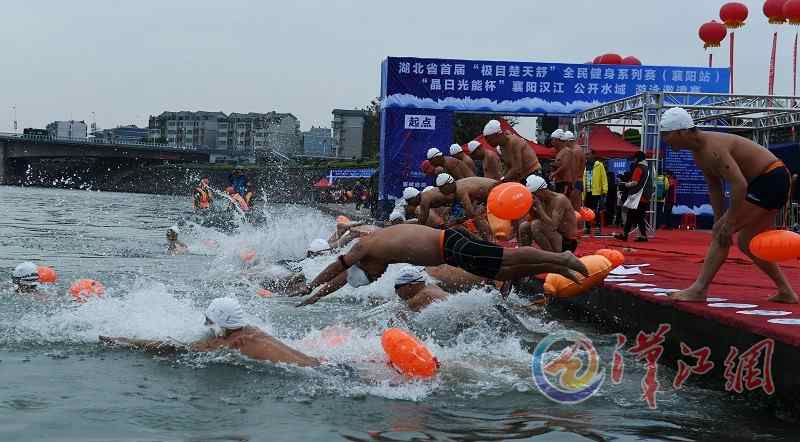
(98, 141)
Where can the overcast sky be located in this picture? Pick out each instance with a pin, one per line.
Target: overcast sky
(126, 60)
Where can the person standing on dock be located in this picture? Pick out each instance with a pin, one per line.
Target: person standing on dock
(563, 165)
(759, 184)
(457, 152)
(517, 155)
(453, 166)
(489, 158)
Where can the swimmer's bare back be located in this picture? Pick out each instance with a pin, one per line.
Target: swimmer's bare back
(250, 341)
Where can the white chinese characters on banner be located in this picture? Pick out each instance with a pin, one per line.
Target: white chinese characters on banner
(420, 122)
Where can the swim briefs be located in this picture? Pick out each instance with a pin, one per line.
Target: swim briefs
(479, 257)
(770, 190)
(564, 187)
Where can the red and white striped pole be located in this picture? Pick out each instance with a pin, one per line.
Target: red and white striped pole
(771, 85)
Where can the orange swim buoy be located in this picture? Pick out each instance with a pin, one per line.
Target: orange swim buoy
(578, 216)
(561, 287)
(616, 257)
(247, 255)
(509, 201)
(776, 245)
(408, 355)
(83, 289)
(47, 275)
(587, 214)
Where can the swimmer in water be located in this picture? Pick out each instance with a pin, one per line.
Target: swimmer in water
(420, 245)
(175, 247)
(226, 318)
(759, 183)
(411, 287)
(25, 278)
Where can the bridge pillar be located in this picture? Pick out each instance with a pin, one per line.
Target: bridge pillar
(2, 163)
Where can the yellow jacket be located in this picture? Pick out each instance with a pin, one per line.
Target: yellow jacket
(599, 184)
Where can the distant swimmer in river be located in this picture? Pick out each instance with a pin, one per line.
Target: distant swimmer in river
(420, 245)
(226, 318)
(237, 199)
(175, 247)
(25, 278)
(411, 287)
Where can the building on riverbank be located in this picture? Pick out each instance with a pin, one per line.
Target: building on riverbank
(318, 142)
(122, 134)
(67, 129)
(348, 133)
(188, 129)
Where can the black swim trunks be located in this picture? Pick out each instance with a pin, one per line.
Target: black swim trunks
(564, 187)
(479, 257)
(770, 190)
(568, 244)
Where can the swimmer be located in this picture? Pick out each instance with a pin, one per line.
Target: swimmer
(489, 158)
(472, 192)
(347, 232)
(563, 164)
(555, 226)
(202, 195)
(430, 198)
(453, 166)
(759, 185)
(410, 286)
(226, 319)
(175, 247)
(237, 199)
(457, 152)
(579, 167)
(25, 278)
(520, 160)
(454, 279)
(420, 245)
(397, 217)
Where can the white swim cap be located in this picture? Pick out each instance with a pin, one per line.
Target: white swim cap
(428, 188)
(410, 192)
(491, 128)
(472, 145)
(676, 118)
(413, 275)
(557, 134)
(455, 149)
(397, 215)
(226, 313)
(434, 152)
(357, 277)
(568, 136)
(535, 183)
(443, 179)
(25, 274)
(318, 245)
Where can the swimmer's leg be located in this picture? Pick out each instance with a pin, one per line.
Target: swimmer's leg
(521, 271)
(716, 255)
(539, 236)
(524, 237)
(529, 256)
(764, 221)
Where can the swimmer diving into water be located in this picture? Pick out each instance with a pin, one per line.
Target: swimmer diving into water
(420, 245)
(175, 247)
(226, 319)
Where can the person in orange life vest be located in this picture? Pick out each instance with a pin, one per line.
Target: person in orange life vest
(202, 195)
(237, 198)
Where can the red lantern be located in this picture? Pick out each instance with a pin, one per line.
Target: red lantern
(773, 9)
(610, 59)
(712, 34)
(791, 10)
(733, 14)
(631, 60)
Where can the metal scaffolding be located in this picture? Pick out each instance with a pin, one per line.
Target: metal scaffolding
(749, 115)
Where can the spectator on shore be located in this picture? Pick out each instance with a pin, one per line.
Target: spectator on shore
(662, 187)
(596, 188)
(670, 199)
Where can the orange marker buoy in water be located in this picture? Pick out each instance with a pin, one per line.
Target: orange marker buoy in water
(264, 293)
(247, 255)
(561, 287)
(47, 275)
(408, 355)
(776, 245)
(587, 214)
(83, 289)
(509, 201)
(615, 256)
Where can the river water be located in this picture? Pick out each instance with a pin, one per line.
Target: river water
(58, 383)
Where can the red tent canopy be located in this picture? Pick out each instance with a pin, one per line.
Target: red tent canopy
(542, 152)
(323, 183)
(607, 144)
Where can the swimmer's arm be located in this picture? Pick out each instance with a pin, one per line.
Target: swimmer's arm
(730, 172)
(542, 214)
(424, 210)
(491, 167)
(336, 268)
(515, 170)
(466, 201)
(151, 346)
(561, 167)
(331, 286)
(715, 194)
